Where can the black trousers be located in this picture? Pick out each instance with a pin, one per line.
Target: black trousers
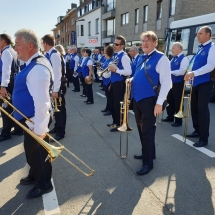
(6, 121)
(95, 72)
(71, 75)
(116, 96)
(83, 83)
(76, 84)
(107, 94)
(68, 75)
(89, 92)
(199, 109)
(146, 124)
(40, 171)
(60, 117)
(174, 101)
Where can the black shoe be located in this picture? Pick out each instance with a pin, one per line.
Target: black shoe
(200, 143)
(141, 156)
(57, 137)
(110, 124)
(83, 95)
(107, 113)
(73, 90)
(105, 110)
(53, 131)
(89, 103)
(145, 169)
(27, 181)
(175, 124)
(76, 90)
(114, 129)
(168, 119)
(85, 101)
(16, 133)
(3, 138)
(194, 134)
(37, 192)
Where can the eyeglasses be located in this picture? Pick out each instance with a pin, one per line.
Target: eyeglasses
(146, 41)
(116, 44)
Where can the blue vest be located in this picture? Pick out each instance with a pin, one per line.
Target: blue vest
(175, 65)
(79, 68)
(134, 64)
(72, 61)
(102, 59)
(85, 69)
(0, 68)
(141, 87)
(21, 97)
(200, 61)
(115, 77)
(96, 57)
(106, 81)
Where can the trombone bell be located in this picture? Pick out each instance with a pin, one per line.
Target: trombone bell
(180, 114)
(124, 127)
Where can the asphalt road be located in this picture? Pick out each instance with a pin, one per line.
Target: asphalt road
(182, 181)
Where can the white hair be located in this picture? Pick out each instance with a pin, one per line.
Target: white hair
(178, 44)
(134, 48)
(61, 49)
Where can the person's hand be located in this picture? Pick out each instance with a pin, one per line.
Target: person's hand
(112, 68)
(3, 92)
(109, 88)
(54, 95)
(75, 73)
(41, 136)
(129, 81)
(189, 76)
(157, 110)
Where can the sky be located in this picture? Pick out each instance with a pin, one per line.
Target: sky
(38, 15)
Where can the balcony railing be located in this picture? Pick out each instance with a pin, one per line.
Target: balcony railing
(109, 7)
(109, 33)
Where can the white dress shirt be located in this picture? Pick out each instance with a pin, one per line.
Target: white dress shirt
(56, 65)
(38, 82)
(7, 60)
(183, 66)
(163, 68)
(76, 59)
(126, 63)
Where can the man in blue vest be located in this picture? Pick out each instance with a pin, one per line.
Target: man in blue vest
(134, 53)
(199, 72)
(179, 64)
(118, 75)
(74, 59)
(9, 69)
(147, 103)
(59, 88)
(31, 96)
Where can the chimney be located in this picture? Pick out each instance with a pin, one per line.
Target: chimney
(73, 5)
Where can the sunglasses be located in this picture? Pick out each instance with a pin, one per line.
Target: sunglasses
(116, 44)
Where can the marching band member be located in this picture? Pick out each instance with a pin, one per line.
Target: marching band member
(87, 74)
(134, 53)
(31, 96)
(200, 67)
(117, 86)
(146, 103)
(96, 57)
(59, 87)
(179, 64)
(68, 72)
(109, 51)
(73, 66)
(9, 69)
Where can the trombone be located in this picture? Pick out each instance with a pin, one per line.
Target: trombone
(124, 108)
(53, 152)
(180, 113)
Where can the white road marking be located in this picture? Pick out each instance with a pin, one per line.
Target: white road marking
(100, 94)
(190, 143)
(50, 202)
(131, 111)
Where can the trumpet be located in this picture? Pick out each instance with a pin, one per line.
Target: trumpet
(102, 71)
(53, 152)
(57, 102)
(124, 117)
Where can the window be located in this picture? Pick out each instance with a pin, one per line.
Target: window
(159, 9)
(62, 28)
(78, 30)
(89, 28)
(82, 11)
(72, 21)
(172, 7)
(82, 30)
(86, 8)
(97, 26)
(124, 18)
(66, 26)
(136, 16)
(145, 13)
(78, 13)
(111, 27)
(90, 6)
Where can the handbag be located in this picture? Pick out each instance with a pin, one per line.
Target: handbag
(155, 88)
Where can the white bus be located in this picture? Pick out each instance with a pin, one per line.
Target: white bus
(185, 31)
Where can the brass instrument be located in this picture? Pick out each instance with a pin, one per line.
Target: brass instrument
(124, 117)
(58, 102)
(88, 81)
(180, 113)
(53, 152)
(102, 71)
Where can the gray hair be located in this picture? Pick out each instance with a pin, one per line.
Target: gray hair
(60, 48)
(29, 36)
(134, 48)
(178, 44)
